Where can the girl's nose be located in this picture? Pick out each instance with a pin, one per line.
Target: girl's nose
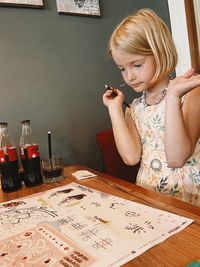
(131, 76)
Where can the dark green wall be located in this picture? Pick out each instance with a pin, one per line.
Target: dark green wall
(53, 69)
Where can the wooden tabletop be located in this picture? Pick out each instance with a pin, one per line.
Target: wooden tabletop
(178, 250)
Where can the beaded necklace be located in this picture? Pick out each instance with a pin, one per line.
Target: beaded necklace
(157, 101)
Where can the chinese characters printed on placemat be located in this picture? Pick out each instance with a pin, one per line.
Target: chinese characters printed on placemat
(78, 226)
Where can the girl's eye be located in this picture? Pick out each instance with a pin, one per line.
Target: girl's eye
(137, 65)
(122, 69)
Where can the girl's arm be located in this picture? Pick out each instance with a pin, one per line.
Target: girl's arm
(125, 133)
(182, 121)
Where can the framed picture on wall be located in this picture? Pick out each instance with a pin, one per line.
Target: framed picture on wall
(79, 7)
(24, 3)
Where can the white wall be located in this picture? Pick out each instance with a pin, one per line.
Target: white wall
(180, 34)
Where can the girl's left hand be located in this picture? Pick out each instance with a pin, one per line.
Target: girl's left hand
(183, 84)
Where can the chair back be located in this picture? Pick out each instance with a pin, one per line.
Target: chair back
(112, 161)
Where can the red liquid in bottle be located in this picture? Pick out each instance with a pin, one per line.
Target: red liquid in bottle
(10, 180)
(30, 157)
(32, 168)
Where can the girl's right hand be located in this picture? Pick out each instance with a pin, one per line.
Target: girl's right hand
(113, 101)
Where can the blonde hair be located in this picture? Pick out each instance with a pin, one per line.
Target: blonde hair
(145, 33)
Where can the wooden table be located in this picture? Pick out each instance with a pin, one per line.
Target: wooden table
(178, 250)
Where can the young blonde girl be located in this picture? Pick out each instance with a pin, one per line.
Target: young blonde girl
(161, 129)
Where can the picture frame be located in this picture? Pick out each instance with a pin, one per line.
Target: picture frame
(79, 7)
(22, 3)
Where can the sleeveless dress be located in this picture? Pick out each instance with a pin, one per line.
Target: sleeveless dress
(154, 173)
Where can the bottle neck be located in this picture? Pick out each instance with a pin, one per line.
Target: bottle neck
(26, 137)
(5, 139)
(4, 131)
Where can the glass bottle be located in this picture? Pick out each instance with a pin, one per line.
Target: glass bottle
(10, 180)
(30, 157)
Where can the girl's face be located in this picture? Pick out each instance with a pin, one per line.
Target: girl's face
(137, 70)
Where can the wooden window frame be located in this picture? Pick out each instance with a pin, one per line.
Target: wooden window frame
(192, 34)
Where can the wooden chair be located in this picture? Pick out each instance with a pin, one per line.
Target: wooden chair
(113, 163)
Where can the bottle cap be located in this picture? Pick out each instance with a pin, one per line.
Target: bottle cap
(4, 123)
(25, 121)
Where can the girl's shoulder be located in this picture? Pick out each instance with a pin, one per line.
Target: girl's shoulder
(138, 100)
(195, 92)
(137, 105)
(193, 96)
(190, 105)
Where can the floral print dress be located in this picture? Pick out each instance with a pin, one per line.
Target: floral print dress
(154, 174)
